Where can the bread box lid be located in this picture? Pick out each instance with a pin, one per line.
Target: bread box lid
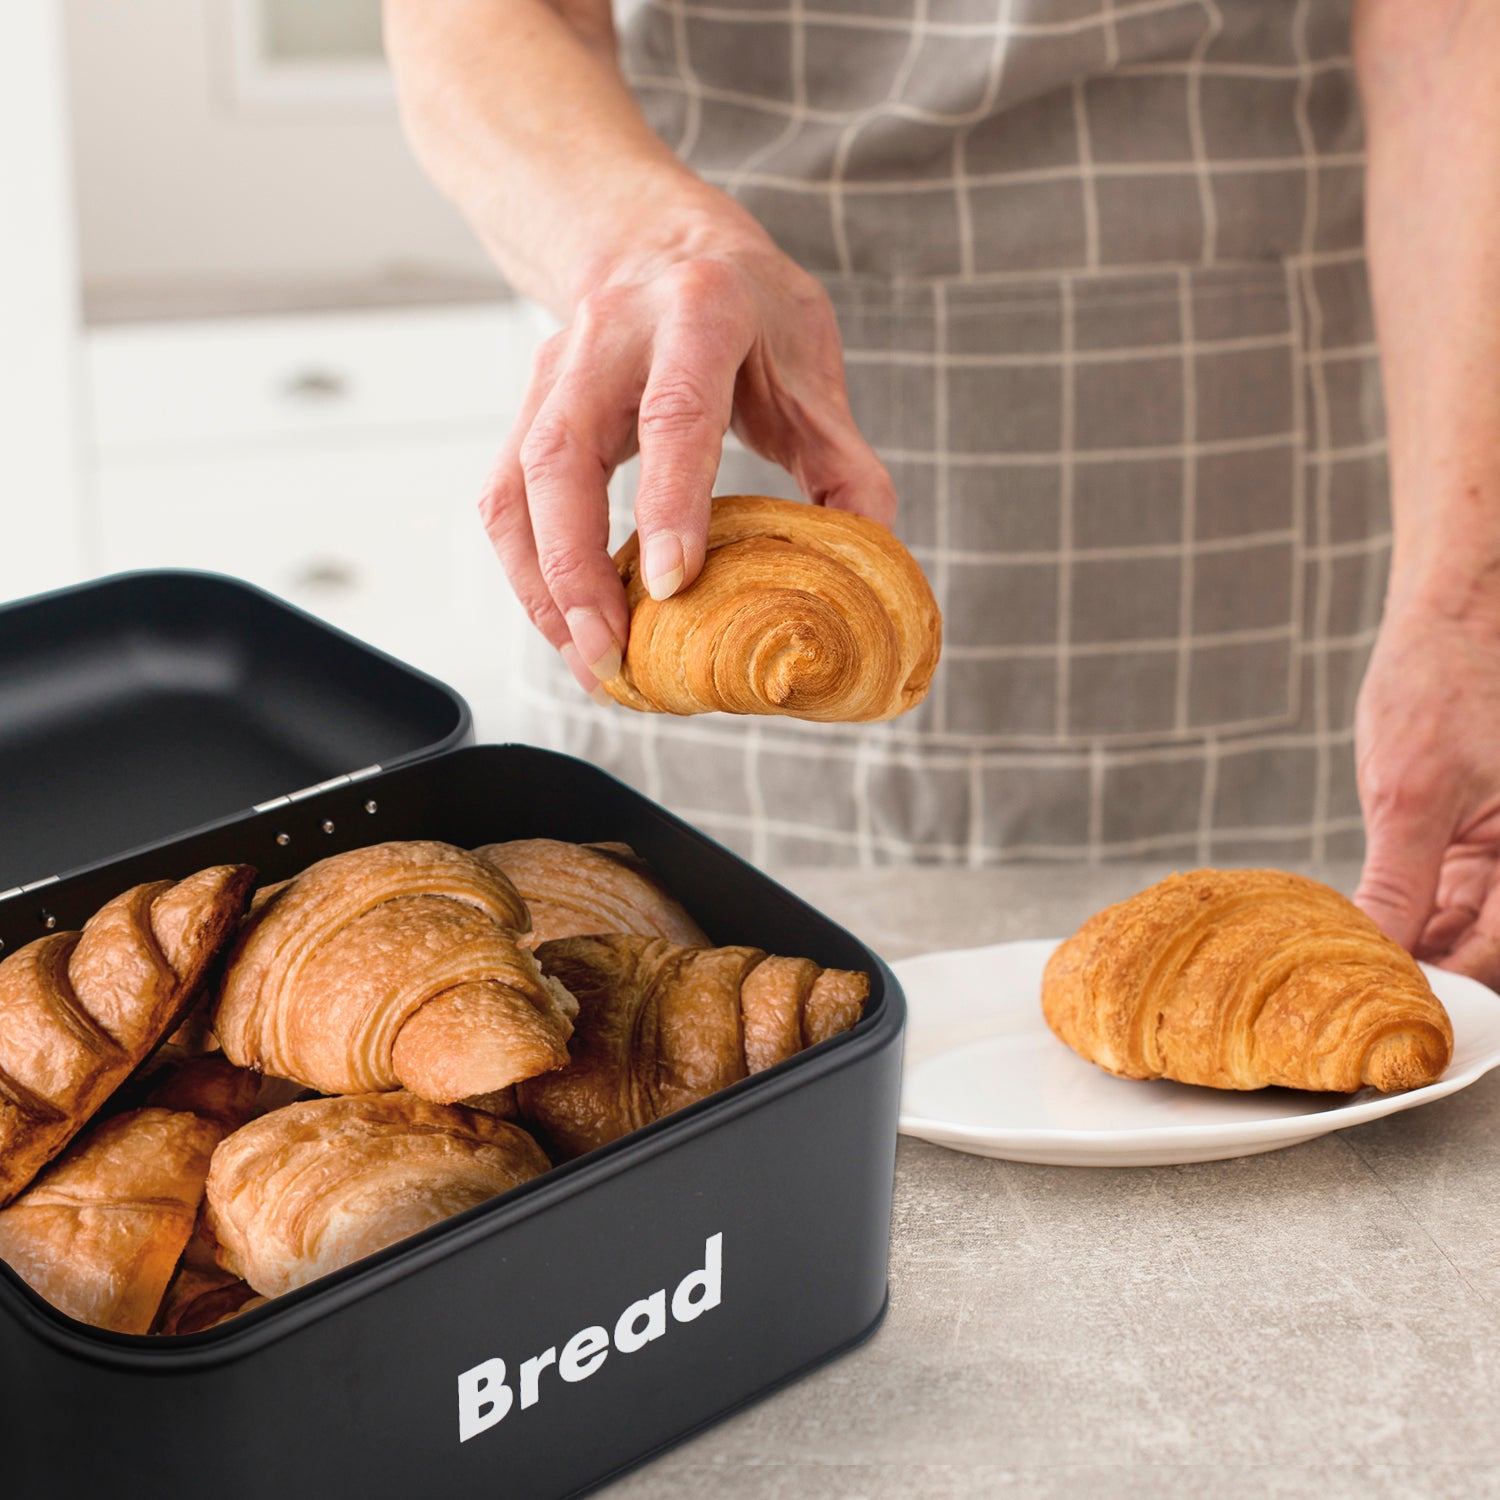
(149, 704)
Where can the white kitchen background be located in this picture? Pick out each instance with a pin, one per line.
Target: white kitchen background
(240, 331)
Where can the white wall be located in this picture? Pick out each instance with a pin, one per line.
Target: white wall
(39, 371)
(175, 179)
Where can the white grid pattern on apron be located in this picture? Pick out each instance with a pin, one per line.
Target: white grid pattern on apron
(1029, 746)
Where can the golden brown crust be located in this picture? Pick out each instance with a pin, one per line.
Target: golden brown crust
(661, 1026)
(575, 890)
(1239, 979)
(208, 1086)
(799, 610)
(315, 1186)
(476, 1039)
(774, 996)
(203, 1298)
(501, 1103)
(336, 967)
(78, 1012)
(100, 1232)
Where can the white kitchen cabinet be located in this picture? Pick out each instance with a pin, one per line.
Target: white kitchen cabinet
(318, 376)
(334, 459)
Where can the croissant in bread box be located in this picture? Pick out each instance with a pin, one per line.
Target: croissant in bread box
(661, 1026)
(1240, 979)
(100, 1232)
(398, 965)
(799, 610)
(395, 978)
(79, 1011)
(311, 1187)
(575, 890)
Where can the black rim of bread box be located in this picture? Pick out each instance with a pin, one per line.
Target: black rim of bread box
(489, 793)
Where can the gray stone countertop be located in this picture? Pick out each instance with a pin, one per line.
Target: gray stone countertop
(1318, 1321)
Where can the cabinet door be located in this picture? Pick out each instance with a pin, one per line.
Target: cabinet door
(383, 541)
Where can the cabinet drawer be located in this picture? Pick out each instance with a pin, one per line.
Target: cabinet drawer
(386, 544)
(175, 385)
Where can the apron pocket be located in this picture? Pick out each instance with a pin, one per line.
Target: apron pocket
(1102, 476)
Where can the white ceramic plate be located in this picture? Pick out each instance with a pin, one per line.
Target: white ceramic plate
(984, 1074)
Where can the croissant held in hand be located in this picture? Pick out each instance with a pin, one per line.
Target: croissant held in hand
(396, 965)
(314, 1186)
(799, 610)
(1239, 979)
(79, 1011)
(660, 1027)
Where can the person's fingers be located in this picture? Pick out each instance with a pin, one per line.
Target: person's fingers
(1444, 931)
(566, 460)
(794, 409)
(1463, 887)
(836, 467)
(1469, 876)
(832, 462)
(1477, 952)
(1405, 843)
(507, 522)
(685, 410)
(502, 508)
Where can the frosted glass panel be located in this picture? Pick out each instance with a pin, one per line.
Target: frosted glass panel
(327, 31)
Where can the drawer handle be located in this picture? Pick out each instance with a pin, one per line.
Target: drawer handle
(324, 575)
(316, 385)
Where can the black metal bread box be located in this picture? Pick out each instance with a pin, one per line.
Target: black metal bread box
(542, 1342)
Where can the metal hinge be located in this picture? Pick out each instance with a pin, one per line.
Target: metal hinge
(24, 890)
(312, 791)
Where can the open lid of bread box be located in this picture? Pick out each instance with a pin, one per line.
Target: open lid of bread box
(148, 704)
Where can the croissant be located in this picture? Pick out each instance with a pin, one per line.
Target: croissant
(79, 1011)
(208, 1086)
(1239, 979)
(799, 610)
(202, 1293)
(572, 890)
(100, 1232)
(397, 965)
(312, 1187)
(199, 1299)
(661, 1026)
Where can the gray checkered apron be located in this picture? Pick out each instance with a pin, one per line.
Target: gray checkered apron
(1098, 269)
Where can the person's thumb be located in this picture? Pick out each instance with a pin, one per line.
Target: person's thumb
(1403, 859)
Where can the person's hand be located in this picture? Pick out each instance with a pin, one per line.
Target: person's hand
(663, 356)
(1427, 737)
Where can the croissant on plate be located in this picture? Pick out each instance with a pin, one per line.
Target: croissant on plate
(799, 610)
(100, 1232)
(79, 1011)
(572, 890)
(661, 1026)
(317, 1185)
(1240, 979)
(394, 966)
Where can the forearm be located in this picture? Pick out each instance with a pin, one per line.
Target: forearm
(517, 110)
(1429, 76)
